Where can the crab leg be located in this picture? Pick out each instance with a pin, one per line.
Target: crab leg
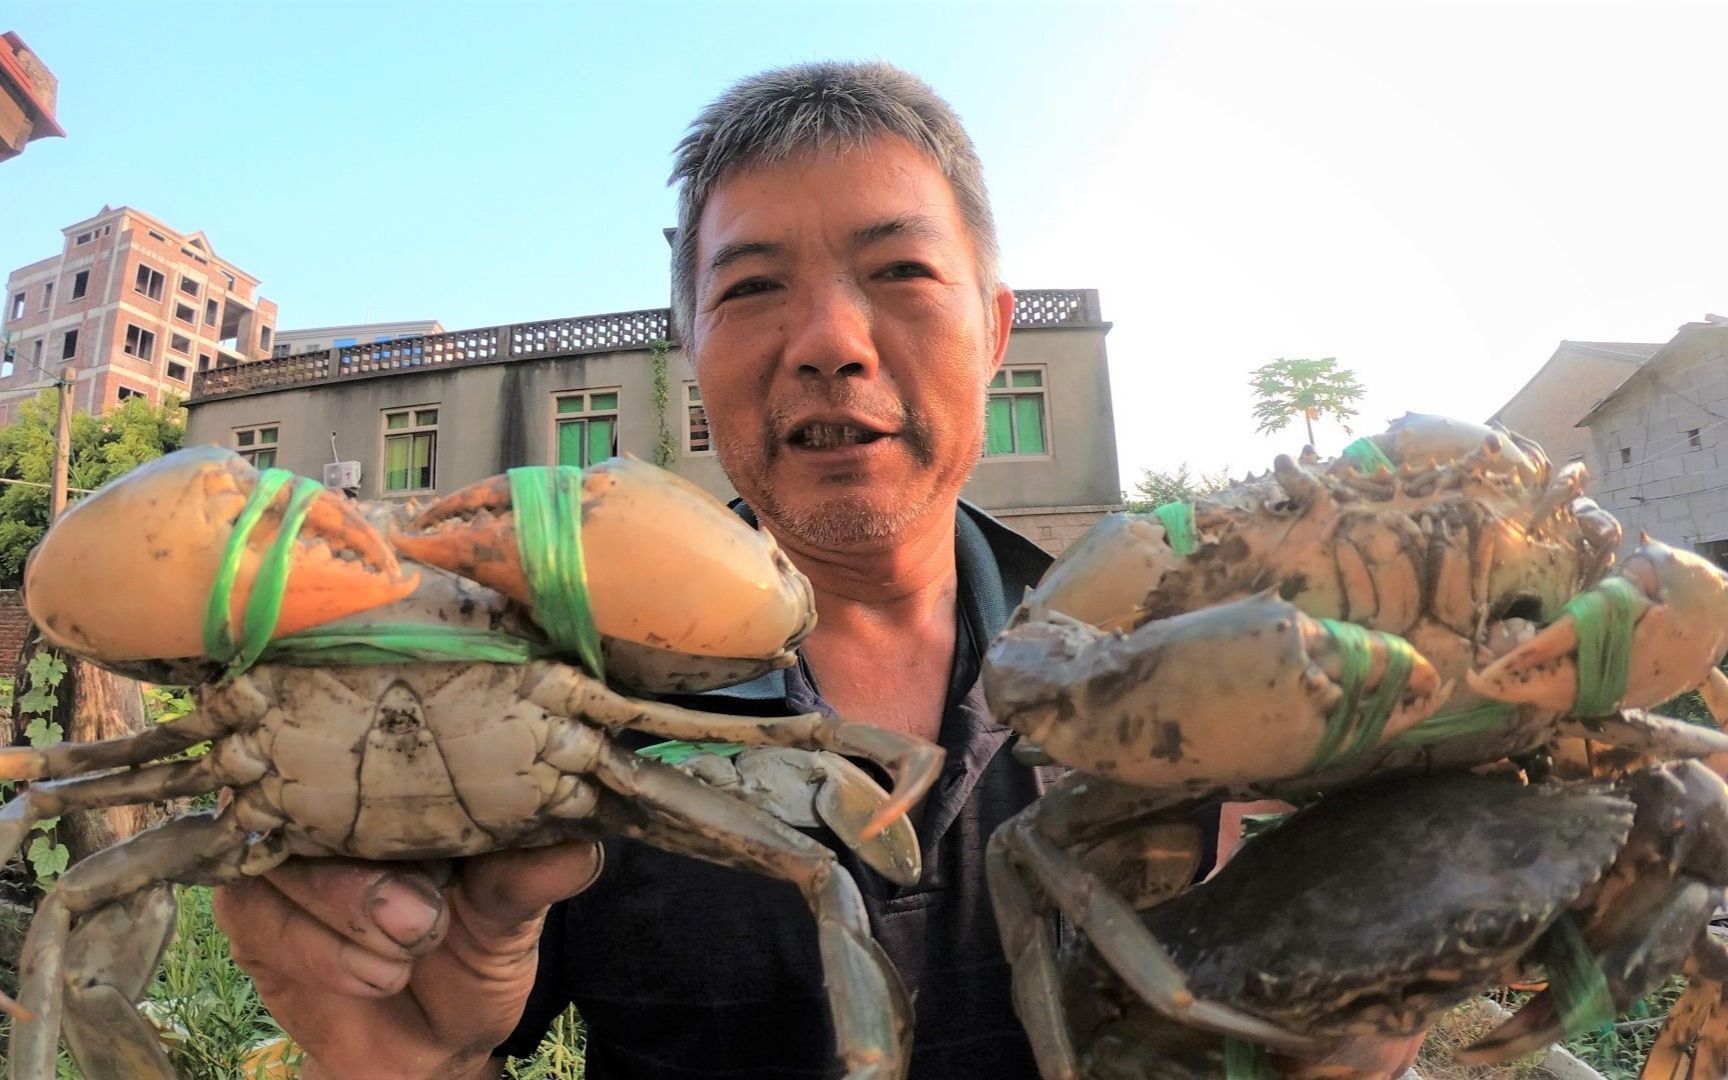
(1662, 737)
(1030, 945)
(55, 797)
(1693, 1043)
(1124, 942)
(914, 763)
(86, 969)
(871, 1011)
(69, 758)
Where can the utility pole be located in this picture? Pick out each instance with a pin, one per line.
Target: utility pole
(62, 448)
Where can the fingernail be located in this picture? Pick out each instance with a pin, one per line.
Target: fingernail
(380, 973)
(404, 912)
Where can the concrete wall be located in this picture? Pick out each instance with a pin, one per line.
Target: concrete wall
(1653, 478)
(495, 416)
(1573, 381)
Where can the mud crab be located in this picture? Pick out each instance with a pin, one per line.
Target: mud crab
(1438, 597)
(1455, 882)
(357, 703)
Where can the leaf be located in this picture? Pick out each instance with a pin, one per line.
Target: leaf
(43, 732)
(48, 858)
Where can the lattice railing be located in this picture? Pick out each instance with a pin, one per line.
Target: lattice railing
(591, 333)
(263, 374)
(1056, 307)
(618, 332)
(433, 350)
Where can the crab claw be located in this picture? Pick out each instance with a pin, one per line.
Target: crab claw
(127, 573)
(668, 566)
(1246, 692)
(1677, 605)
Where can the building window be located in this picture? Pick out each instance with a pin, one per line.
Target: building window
(176, 372)
(410, 449)
(180, 343)
(264, 339)
(139, 342)
(280, 349)
(587, 427)
(17, 306)
(82, 238)
(696, 439)
(47, 296)
(230, 279)
(1015, 415)
(257, 445)
(69, 345)
(127, 392)
(80, 284)
(209, 313)
(1625, 455)
(154, 235)
(1692, 438)
(188, 286)
(149, 282)
(1714, 550)
(186, 314)
(36, 351)
(203, 361)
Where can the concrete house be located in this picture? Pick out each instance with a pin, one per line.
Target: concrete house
(1662, 439)
(424, 416)
(1575, 379)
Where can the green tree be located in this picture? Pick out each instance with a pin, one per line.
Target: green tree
(1311, 389)
(103, 447)
(1159, 486)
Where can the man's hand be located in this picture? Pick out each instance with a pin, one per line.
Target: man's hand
(388, 970)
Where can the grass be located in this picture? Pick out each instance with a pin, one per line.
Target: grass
(215, 1027)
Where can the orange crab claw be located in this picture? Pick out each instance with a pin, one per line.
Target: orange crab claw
(667, 564)
(126, 574)
(1679, 605)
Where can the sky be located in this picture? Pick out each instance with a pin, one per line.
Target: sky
(1436, 194)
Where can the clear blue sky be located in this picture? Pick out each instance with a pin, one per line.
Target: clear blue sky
(1435, 193)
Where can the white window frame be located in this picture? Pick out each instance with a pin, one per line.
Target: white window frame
(408, 431)
(1010, 391)
(587, 413)
(249, 443)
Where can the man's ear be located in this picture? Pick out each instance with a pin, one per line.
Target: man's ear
(1003, 299)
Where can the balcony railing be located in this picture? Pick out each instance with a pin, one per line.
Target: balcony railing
(620, 332)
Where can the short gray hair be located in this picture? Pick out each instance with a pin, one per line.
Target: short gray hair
(780, 113)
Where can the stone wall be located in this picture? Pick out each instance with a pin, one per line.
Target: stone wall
(1053, 528)
(14, 628)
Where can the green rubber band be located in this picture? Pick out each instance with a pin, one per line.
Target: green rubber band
(400, 644)
(1179, 533)
(1377, 711)
(264, 605)
(547, 503)
(1461, 723)
(1580, 989)
(1604, 617)
(1244, 1060)
(1355, 724)
(218, 633)
(1366, 456)
(678, 751)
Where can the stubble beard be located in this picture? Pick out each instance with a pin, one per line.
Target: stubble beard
(850, 518)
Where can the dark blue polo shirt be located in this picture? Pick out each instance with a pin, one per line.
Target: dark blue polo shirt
(682, 969)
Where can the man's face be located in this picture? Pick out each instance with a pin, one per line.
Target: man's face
(842, 342)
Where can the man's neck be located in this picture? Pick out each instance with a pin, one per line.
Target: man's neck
(885, 626)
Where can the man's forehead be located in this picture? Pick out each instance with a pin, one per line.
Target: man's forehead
(885, 187)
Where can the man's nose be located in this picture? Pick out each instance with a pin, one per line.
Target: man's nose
(831, 332)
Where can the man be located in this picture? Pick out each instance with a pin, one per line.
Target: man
(834, 278)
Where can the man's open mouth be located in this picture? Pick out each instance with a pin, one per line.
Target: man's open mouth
(829, 436)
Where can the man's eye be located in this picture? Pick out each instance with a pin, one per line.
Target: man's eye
(747, 287)
(902, 271)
